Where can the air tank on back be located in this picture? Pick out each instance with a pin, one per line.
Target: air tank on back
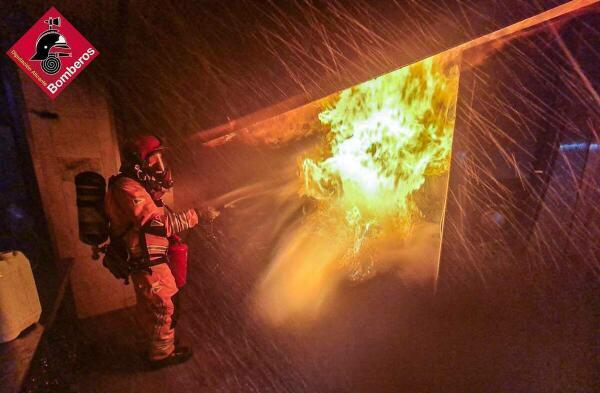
(93, 226)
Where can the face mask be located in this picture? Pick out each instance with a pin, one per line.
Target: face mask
(156, 168)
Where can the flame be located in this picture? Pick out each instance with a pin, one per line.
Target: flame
(386, 136)
(387, 139)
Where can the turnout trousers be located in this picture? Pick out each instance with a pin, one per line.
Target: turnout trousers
(154, 294)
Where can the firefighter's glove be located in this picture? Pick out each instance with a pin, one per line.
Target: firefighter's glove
(207, 213)
(117, 262)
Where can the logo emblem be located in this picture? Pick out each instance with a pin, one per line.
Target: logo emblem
(52, 53)
(49, 47)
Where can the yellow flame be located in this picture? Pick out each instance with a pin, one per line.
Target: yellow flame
(387, 139)
(386, 136)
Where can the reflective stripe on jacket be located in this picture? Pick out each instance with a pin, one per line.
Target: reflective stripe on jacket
(145, 225)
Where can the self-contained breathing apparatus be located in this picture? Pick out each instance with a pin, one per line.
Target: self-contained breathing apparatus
(143, 162)
(94, 227)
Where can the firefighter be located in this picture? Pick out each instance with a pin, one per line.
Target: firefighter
(140, 221)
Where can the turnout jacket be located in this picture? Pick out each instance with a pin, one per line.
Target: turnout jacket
(144, 226)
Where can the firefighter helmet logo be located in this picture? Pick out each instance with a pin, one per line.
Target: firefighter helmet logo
(51, 45)
(44, 54)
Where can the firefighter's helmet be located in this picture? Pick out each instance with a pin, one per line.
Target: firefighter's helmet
(48, 40)
(146, 151)
(139, 148)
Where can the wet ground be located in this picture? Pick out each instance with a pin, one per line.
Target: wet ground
(522, 331)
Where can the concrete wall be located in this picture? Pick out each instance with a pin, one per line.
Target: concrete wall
(81, 138)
